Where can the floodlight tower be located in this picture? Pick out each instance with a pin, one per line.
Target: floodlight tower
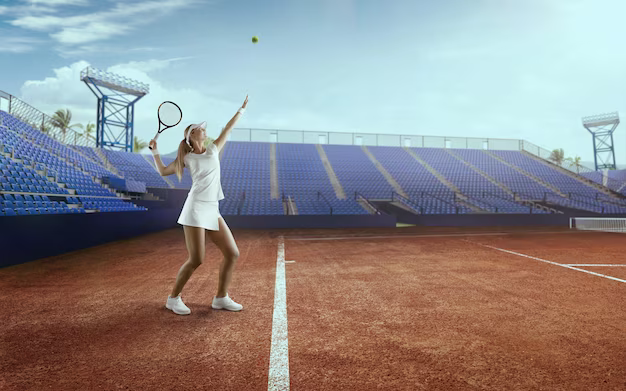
(598, 126)
(117, 96)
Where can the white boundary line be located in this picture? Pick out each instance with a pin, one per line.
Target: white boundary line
(550, 262)
(279, 353)
(593, 264)
(436, 235)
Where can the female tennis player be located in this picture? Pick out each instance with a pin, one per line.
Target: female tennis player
(201, 210)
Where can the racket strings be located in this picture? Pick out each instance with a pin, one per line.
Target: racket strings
(170, 114)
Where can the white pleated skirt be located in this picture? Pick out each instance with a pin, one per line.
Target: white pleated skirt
(197, 213)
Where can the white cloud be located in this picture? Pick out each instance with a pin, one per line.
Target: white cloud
(65, 90)
(83, 50)
(97, 26)
(90, 32)
(10, 44)
(57, 2)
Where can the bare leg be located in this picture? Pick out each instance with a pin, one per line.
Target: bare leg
(195, 240)
(224, 240)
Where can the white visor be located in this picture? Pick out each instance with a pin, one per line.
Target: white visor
(201, 125)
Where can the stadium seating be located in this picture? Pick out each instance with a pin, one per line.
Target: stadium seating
(34, 167)
(39, 175)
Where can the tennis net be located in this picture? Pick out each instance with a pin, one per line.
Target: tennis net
(604, 224)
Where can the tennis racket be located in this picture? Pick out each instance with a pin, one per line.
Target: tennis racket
(169, 116)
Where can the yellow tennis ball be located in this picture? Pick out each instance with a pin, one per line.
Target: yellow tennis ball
(255, 39)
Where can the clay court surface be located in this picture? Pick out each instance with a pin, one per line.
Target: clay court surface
(366, 309)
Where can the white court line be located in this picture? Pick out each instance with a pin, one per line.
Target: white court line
(435, 235)
(279, 353)
(592, 264)
(550, 262)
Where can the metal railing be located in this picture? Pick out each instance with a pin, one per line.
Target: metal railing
(358, 196)
(406, 201)
(40, 121)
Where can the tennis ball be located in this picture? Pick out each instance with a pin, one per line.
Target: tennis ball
(255, 39)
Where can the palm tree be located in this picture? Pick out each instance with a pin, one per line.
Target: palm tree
(77, 135)
(139, 145)
(89, 129)
(62, 119)
(557, 156)
(575, 162)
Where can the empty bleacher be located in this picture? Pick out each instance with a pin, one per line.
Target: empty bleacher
(39, 175)
(433, 180)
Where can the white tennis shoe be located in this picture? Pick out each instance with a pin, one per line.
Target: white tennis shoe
(225, 303)
(176, 304)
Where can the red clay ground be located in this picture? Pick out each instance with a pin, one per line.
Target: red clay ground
(400, 313)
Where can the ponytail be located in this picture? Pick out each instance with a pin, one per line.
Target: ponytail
(183, 150)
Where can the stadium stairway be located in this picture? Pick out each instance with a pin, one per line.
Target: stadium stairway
(571, 174)
(430, 169)
(108, 165)
(392, 182)
(274, 193)
(481, 172)
(500, 184)
(331, 173)
(105, 166)
(166, 179)
(368, 205)
(89, 174)
(526, 173)
(460, 198)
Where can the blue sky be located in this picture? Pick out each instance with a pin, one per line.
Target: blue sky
(485, 68)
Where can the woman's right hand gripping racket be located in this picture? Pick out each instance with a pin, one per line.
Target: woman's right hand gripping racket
(169, 115)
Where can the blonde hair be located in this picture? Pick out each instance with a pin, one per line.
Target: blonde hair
(183, 150)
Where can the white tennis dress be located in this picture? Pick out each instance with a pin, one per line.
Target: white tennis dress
(201, 207)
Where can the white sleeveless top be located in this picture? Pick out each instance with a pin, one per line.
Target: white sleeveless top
(205, 174)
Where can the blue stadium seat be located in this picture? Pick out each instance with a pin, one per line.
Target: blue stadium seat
(30, 204)
(37, 198)
(28, 197)
(19, 204)
(8, 197)
(44, 211)
(9, 212)
(19, 197)
(33, 211)
(22, 211)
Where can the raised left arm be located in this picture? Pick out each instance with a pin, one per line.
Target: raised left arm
(221, 140)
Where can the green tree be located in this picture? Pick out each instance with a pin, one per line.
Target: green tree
(575, 162)
(62, 119)
(138, 145)
(90, 129)
(557, 156)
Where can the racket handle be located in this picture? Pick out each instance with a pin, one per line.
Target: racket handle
(155, 138)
